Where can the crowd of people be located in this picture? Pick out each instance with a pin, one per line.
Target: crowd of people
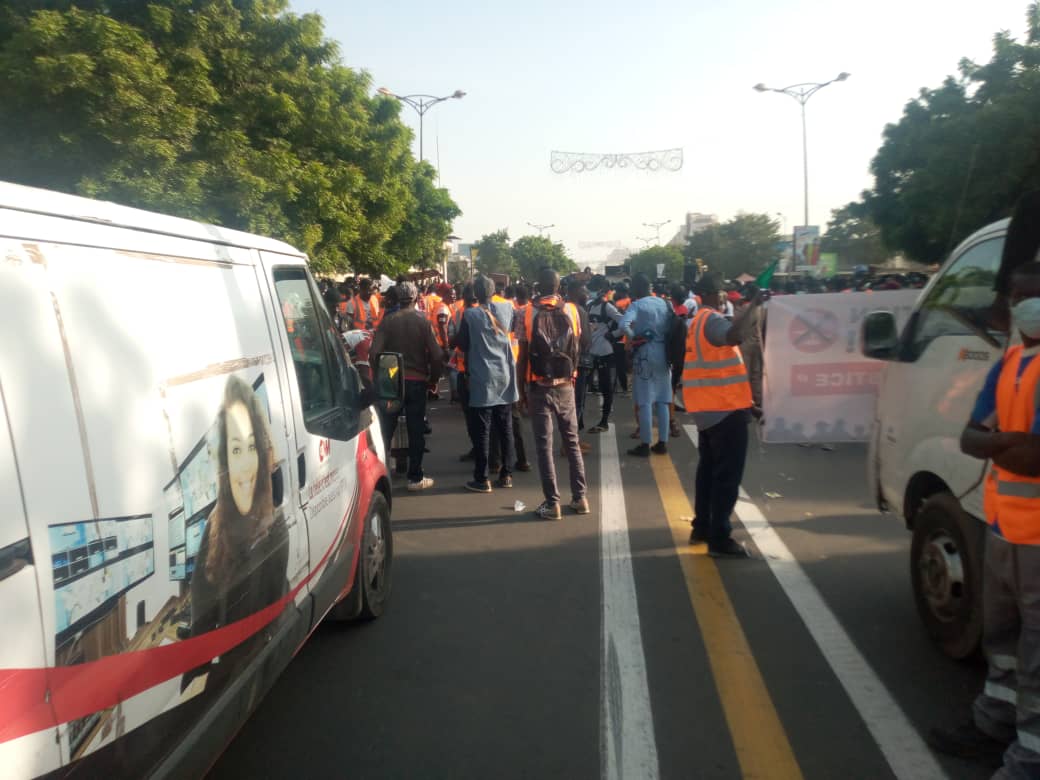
(531, 356)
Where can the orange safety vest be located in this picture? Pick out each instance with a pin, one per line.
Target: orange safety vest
(714, 379)
(571, 310)
(368, 317)
(1012, 501)
(459, 358)
(514, 344)
(436, 311)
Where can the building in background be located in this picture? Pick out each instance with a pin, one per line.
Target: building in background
(694, 223)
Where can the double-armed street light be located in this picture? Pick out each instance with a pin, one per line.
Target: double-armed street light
(657, 228)
(802, 93)
(541, 228)
(422, 104)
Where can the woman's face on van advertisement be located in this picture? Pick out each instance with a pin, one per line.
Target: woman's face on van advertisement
(242, 458)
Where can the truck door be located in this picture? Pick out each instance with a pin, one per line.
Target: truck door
(947, 353)
(326, 419)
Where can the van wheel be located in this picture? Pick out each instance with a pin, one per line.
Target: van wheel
(367, 599)
(375, 568)
(946, 570)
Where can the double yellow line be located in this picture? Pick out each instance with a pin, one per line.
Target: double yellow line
(759, 739)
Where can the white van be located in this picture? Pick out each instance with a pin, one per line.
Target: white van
(934, 371)
(191, 478)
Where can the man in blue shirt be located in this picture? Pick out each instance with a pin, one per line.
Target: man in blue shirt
(491, 378)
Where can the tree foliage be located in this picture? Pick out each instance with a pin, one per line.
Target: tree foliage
(494, 254)
(230, 111)
(745, 244)
(532, 253)
(647, 260)
(963, 153)
(852, 234)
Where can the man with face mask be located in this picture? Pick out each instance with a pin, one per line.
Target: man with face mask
(1005, 429)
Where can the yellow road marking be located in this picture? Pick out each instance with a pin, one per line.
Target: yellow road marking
(761, 743)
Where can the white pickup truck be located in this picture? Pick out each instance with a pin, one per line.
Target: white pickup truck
(933, 373)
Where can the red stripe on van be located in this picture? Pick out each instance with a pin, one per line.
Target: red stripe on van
(77, 691)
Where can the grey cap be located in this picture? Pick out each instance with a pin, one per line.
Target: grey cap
(407, 291)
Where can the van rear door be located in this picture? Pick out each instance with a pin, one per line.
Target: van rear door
(28, 734)
(327, 419)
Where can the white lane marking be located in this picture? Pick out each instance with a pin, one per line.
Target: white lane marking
(627, 744)
(896, 737)
(691, 431)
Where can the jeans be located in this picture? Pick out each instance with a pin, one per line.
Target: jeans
(720, 469)
(603, 365)
(547, 404)
(414, 409)
(484, 421)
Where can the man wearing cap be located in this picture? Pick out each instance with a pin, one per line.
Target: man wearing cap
(408, 332)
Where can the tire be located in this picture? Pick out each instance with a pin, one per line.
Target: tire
(368, 598)
(946, 570)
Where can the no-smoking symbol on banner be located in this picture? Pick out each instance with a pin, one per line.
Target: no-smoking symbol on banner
(814, 330)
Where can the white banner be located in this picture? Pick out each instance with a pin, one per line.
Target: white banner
(818, 386)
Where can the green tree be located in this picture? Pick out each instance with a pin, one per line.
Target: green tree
(420, 239)
(963, 153)
(852, 234)
(647, 260)
(532, 253)
(494, 254)
(745, 244)
(237, 112)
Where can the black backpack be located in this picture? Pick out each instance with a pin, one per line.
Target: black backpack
(675, 339)
(554, 344)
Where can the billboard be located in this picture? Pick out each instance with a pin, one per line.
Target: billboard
(806, 247)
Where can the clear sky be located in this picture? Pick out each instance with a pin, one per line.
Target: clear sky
(614, 76)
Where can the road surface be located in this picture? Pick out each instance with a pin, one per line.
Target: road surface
(605, 646)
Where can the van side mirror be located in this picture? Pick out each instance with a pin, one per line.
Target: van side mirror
(389, 377)
(879, 337)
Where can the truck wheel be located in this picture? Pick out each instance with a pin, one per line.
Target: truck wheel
(946, 571)
(367, 599)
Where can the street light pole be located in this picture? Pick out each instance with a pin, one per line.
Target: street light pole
(540, 228)
(802, 93)
(646, 241)
(657, 227)
(422, 104)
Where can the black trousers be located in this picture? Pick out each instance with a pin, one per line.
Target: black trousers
(484, 420)
(720, 469)
(621, 366)
(581, 392)
(414, 409)
(603, 366)
(495, 458)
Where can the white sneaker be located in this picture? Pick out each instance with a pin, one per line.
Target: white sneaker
(422, 484)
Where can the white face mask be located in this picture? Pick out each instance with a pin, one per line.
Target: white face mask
(1026, 317)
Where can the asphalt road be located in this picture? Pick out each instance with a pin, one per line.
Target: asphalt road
(521, 648)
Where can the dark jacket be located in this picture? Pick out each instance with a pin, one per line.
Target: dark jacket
(408, 332)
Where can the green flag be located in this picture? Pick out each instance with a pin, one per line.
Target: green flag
(763, 279)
